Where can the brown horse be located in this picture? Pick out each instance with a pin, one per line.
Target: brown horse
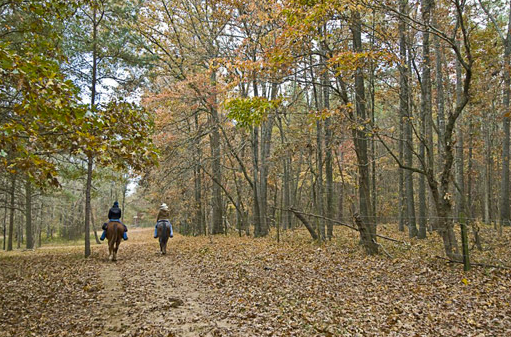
(164, 231)
(114, 231)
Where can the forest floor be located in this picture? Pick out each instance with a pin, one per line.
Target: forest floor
(232, 286)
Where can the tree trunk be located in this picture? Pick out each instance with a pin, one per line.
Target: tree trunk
(88, 187)
(406, 117)
(28, 213)
(255, 188)
(360, 141)
(124, 191)
(319, 179)
(40, 226)
(199, 209)
(329, 179)
(426, 147)
(11, 211)
(5, 224)
(94, 227)
(307, 225)
(469, 205)
(90, 158)
(460, 185)
(504, 204)
(488, 165)
(286, 201)
(214, 137)
(440, 95)
(266, 135)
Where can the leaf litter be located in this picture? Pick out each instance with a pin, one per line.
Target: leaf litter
(232, 286)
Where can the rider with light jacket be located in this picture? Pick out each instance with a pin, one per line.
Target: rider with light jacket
(163, 215)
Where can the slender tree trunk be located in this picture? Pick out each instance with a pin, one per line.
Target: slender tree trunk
(218, 227)
(460, 188)
(469, 205)
(199, 209)
(28, 213)
(401, 172)
(488, 164)
(368, 236)
(124, 191)
(372, 117)
(319, 179)
(426, 147)
(342, 186)
(317, 183)
(5, 223)
(505, 219)
(11, 211)
(94, 227)
(286, 201)
(40, 226)
(19, 236)
(90, 158)
(255, 189)
(88, 187)
(266, 135)
(406, 117)
(329, 179)
(440, 95)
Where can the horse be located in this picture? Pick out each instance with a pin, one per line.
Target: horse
(164, 231)
(114, 232)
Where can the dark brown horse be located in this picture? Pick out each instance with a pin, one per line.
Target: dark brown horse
(114, 231)
(164, 231)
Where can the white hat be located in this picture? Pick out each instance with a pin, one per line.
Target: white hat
(164, 207)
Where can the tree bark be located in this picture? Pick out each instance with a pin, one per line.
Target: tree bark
(5, 225)
(406, 119)
(94, 227)
(426, 147)
(28, 214)
(11, 211)
(488, 165)
(286, 201)
(199, 209)
(255, 187)
(505, 219)
(88, 188)
(360, 141)
(307, 225)
(217, 201)
(460, 184)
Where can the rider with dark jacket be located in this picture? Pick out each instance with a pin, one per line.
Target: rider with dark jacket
(114, 214)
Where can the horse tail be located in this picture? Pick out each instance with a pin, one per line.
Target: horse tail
(163, 231)
(114, 237)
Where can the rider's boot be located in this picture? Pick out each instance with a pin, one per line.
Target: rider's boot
(103, 236)
(155, 232)
(125, 236)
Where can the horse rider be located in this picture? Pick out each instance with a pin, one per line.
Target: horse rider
(163, 215)
(114, 214)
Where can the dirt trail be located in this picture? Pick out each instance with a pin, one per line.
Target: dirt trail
(113, 312)
(159, 295)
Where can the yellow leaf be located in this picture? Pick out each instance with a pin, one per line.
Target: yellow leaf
(465, 281)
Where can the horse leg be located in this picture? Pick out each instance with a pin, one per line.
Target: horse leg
(116, 247)
(110, 251)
